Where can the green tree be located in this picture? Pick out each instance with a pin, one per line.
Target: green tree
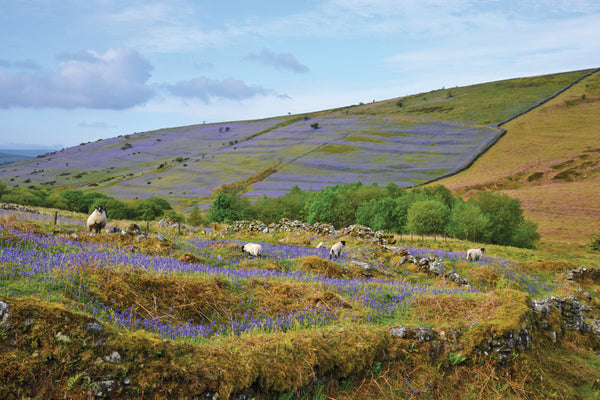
(428, 217)
(322, 208)
(383, 214)
(221, 209)
(526, 235)
(467, 222)
(24, 196)
(504, 216)
(230, 207)
(115, 209)
(195, 218)
(55, 200)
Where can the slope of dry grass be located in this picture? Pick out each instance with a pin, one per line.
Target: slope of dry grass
(549, 159)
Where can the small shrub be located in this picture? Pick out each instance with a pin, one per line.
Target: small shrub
(595, 244)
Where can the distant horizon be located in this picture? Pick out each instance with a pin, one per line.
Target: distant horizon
(27, 151)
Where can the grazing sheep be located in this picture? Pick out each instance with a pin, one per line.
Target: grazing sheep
(475, 254)
(336, 249)
(97, 220)
(252, 249)
(321, 244)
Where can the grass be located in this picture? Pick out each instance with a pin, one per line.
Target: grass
(291, 324)
(557, 143)
(231, 152)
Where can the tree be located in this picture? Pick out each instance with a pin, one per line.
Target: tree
(467, 222)
(322, 208)
(526, 235)
(428, 217)
(221, 209)
(195, 218)
(115, 209)
(504, 216)
(383, 214)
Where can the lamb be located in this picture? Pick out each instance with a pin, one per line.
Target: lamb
(336, 249)
(475, 254)
(97, 220)
(252, 249)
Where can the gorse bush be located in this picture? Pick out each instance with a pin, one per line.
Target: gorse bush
(433, 210)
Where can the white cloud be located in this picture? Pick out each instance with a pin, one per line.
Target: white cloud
(285, 61)
(205, 89)
(113, 80)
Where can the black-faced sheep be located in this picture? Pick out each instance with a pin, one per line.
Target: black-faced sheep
(252, 249)
(475, 254)
(336, 249)
(97, 220)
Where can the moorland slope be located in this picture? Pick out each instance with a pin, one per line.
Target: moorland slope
(549, 159)
(408, 141)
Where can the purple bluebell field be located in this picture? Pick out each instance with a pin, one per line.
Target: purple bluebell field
(187, 163)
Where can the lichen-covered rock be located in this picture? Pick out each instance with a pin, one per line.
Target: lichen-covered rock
(4, 314)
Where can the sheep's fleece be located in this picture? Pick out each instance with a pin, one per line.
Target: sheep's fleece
(97, 220)
(253, 249)
(475, 254)
(336, 249)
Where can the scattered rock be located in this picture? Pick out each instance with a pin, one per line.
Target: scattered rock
(114, 357)
(62, 338)
(112, 229)
(399, 332)
(94, 327)
(4, 314)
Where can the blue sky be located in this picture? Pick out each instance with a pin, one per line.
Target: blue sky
(74, 71)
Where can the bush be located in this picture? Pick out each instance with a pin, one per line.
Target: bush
(115, 209)
(428, 217)
(595, 244)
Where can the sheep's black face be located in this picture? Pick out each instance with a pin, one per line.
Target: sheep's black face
(343, 242)
(99, 208)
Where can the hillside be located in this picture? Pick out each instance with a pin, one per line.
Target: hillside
(184, 316)
(549, 159)
(408, 141)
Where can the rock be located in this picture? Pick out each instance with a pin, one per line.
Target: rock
(112, 229)
(105, 387)
(399, 332)
(437, 267)
(114, 357)
(423, 334)
(94, 327)
(4, 314)
(62, 338)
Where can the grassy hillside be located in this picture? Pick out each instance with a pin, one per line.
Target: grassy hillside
(189, 316)
(549, 159)
(408, 141)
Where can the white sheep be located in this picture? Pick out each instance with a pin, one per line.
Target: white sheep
(336, 249)
(252, 249)
(97, 220)
(475, 254)
(321, 244)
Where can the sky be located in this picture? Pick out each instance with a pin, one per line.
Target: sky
(76, 71)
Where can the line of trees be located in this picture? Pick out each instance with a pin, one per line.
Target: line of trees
(147, 209)
(432, 210)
